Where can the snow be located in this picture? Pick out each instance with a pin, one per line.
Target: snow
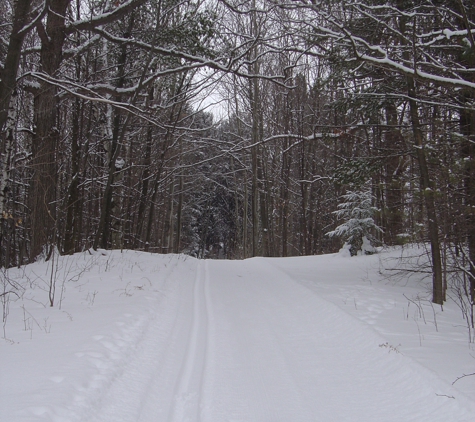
(134, 336)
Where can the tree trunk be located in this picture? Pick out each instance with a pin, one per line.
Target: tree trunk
(7, 110)
(393, 145)
(46, 138)
(103, 234)
(467, 126)
(428, 193)
(7, 218)
(264, 202)
(168, 221)
(9, 72)
(254, 169)
(73, 201)
(179, 213)
(144, 180)
(72, 233)
(285, 186)
(245, 212)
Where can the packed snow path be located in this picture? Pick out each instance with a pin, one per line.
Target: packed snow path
(241, 341)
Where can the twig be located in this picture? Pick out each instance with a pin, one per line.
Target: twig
(10, 291)
(463, 376)
(445, 395)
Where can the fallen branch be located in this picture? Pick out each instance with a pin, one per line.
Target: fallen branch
(463, 376)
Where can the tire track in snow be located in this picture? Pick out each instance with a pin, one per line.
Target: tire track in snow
(189, 398)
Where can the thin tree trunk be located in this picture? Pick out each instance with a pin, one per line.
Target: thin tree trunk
(255, 112)
(245, 193)
(264, 202)
(285, 185)
(428, 192)
(179, 213)
(168, 226)
(102, 237)
(73, 200)
(151, 211)
(245, 212)
(393, 145)
(254, 204)
(145, 187)
(467, 125)
(304, 188)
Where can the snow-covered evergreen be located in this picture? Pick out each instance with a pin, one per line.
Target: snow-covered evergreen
(358, 228)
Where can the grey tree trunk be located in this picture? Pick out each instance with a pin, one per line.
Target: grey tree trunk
(71, 234)
(10, 68)
(8, 76)
(393, 186)
(46, 137)
(428, 192)
(103, 234)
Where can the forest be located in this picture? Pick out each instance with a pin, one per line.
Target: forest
(233, 129)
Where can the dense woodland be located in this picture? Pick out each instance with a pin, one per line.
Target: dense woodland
(235, 128)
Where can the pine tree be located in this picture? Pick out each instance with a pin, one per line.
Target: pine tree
(359, 227)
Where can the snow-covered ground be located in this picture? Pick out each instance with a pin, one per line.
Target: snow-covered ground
(140, 337)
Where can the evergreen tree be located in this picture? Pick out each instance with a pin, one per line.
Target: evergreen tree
(358, 228)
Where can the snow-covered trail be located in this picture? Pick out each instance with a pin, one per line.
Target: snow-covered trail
(175, 339)
(242, 341)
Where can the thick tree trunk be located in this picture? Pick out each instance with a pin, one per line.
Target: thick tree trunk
(7, 218)
(7, 87)
(6, 148)
(46, 138)
(8, 120)
(10, 68)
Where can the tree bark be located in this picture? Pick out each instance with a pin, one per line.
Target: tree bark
(179, 213)
(73, 201)
(144, 180)
(7, 111)
(392, 148)
(467, 126)
(46, 137)
(428, 193)
(12, 60)
(103, 234)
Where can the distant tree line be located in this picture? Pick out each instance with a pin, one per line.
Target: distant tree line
(107, 139)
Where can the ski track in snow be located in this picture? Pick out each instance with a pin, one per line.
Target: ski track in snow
(188, 401)
(244, 341)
